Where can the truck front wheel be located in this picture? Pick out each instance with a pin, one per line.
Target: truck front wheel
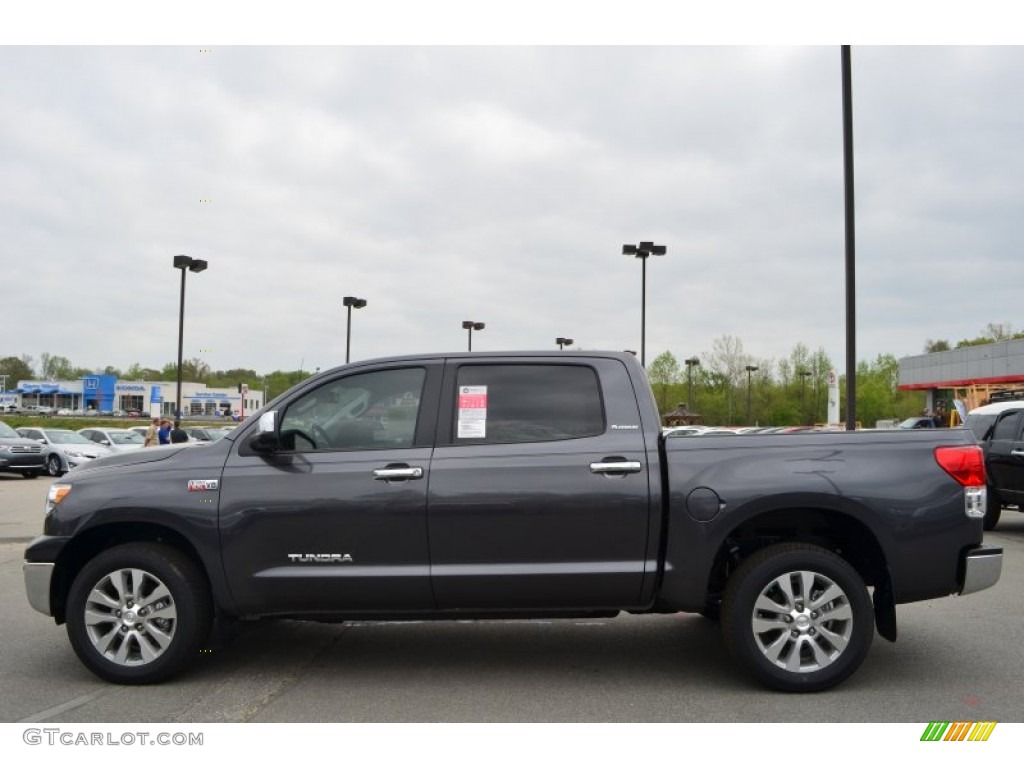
(797, 617)
(137, 613)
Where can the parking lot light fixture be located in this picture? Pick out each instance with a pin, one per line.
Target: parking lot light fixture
(352, 303)
(642, 251)
(750, 370)
(562, 342)
(803, 386)
(192, 265)
(472, 325)
(691, 362)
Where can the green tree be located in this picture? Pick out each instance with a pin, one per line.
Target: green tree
(234, 377)
(193, 369)
(726, 365)
(663, 372)
(16, 369)
(281, 381)
(136, 372)
(55, 367)
(936, 345)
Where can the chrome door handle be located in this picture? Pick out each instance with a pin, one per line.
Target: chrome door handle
(398, 473)
(616, 467)
(1018, 454)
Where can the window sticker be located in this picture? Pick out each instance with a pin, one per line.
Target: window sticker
(472, 412)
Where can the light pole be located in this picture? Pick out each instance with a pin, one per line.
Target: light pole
(642, 251)
(192, 265)
(803, 386)
(471, 326)
(352, 303)
(561, 341)
(690, 363)
(750, 370)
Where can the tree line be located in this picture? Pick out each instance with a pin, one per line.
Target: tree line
(716, 384)
(790, 391)
(993, 333)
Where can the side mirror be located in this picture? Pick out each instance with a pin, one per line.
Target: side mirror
(263, 442)
(265, 439)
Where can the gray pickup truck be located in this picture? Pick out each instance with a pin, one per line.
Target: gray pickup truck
(509, 485)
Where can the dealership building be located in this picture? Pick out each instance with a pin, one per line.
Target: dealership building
(108, 393)
(971, 375)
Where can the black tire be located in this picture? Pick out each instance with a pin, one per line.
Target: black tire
(806, 646)
(712, 610)
(993, 511)
(125, 641)
(28, 474)
(53, 467)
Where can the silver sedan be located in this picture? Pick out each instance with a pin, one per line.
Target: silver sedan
(117, 440)
(63, 448)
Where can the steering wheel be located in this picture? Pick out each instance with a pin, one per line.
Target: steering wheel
(321, 436)
(299, 433)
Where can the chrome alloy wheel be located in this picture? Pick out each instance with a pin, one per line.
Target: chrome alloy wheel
(802, 621)
(130, 617)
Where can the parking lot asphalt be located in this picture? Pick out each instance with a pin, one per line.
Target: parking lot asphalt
(21, 506)
(957, 659)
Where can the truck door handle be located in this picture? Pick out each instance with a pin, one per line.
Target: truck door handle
(398, 472)
(615, 466)
(1018, 454)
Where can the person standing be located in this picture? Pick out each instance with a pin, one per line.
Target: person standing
(151, 434)
(164, 433)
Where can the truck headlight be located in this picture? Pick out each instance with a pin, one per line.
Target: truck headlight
(58, 492)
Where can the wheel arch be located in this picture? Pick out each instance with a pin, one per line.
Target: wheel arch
(835, 530)
(91, 542)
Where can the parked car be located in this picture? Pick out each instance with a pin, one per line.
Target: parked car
(19, 454)
(37, 410)
(510, 485)
(688, 431)
(204, 434)
(999, 427)
(117, 440)
(64, 449)
(918, 422)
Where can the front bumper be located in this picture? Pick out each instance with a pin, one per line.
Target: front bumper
(37, 585)
(41, 559)
(982, 567)
(22, 462)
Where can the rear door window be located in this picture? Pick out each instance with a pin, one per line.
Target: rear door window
(1008, 427)
(507, 403)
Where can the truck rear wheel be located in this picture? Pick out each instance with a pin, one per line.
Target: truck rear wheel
(137, 613)
(797, 617)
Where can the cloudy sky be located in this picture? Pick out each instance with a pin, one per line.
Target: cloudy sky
(498, 184)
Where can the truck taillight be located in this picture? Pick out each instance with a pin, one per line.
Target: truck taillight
(964, 463)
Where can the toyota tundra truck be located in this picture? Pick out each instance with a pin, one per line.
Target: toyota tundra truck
(509, 485)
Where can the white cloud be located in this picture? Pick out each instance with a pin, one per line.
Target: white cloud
(499, 184)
